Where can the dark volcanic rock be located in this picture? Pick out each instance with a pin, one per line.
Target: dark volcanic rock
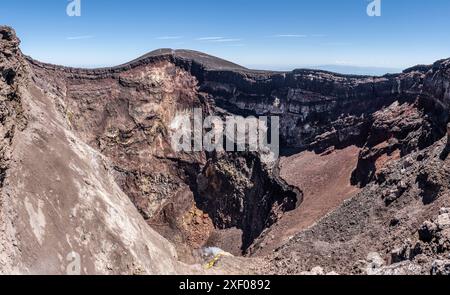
(237, 191)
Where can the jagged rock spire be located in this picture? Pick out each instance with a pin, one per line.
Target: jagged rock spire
(9, 43)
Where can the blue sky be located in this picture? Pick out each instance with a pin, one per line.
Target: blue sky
(283, 34)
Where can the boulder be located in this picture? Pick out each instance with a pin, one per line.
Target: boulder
(427, 231)
(441, 267)
(374, 262)
(443, 221)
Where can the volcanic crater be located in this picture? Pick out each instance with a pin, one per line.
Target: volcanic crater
(87, 165)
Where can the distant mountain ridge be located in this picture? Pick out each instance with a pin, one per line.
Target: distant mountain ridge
(211, 62)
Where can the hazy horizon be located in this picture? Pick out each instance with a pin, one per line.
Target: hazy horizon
(340, 69)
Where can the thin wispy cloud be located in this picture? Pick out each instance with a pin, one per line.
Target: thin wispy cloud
(80, 37)
(227, 40)
(169, 37)
(209, 38)
(216, 39)
(290, 36)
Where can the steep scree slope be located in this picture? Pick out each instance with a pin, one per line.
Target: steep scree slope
(59, 201)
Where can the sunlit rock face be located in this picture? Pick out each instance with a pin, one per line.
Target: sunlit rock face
(62, 210)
